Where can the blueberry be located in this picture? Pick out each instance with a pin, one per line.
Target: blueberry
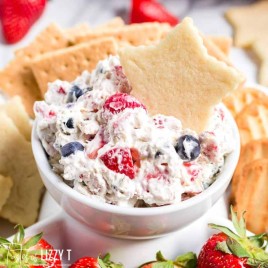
(71, 148)
(70, 123)
(75, 93)
(188, 147)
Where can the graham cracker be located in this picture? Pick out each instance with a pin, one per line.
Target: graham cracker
(252, 121)
(251, 195)
(5, 189)
(250, 22)
(134, 34)
(17, 79)
(224, 43)
(68, 63)
(177, 76)
(77, 30)
(241, 97)
(16, 111)
(17, 162)
(111, 24)
(51, 38)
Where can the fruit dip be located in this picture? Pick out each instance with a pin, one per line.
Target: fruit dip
(105, 144)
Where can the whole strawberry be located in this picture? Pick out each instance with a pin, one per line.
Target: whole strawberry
(187, 260)
(17, 17)
(150, 11)
(234, 250)
(91, 262)
(33, 252)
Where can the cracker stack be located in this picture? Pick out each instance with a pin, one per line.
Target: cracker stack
(63, 54)
(249, 188)
(20, 184)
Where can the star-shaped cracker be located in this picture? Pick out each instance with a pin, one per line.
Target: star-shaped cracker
(250, 22)
(177, 76)
(260, 48)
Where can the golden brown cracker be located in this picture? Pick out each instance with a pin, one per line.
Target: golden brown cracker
(16, 111)
(253, 150)
(5, 189)
(241, 97)
(134, 34)
(77, 30)
(252, 121)
(250, 22)
(177, 77)
(17, 161)
(251, 195)
(51, 38)
(17, 79)
(111, 24)
(224, 43)
(68, 63)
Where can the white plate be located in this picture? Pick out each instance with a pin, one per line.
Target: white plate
(74, 240)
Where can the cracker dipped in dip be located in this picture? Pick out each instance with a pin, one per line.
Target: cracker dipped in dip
(114, 147)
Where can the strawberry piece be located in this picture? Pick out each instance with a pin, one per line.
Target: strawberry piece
(18, 16)
(90, 262)
(150, 11)
(86, 262)
(34, 252)
(119, 102)
(229, 249)
(120, 161)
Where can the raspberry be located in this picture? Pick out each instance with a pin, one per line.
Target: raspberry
(119, 102)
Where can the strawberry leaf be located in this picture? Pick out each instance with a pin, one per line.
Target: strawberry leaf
(225, 230)
(239, 226)
(160, 257)
(259, 241)
(222, 246)
(187, 260)
(237, 249)
(4, 241)
(163, 264)
(33, 241)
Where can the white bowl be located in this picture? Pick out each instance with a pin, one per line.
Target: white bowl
(134, 223)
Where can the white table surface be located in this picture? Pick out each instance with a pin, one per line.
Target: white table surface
(207, 15)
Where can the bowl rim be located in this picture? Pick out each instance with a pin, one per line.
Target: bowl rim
(56, 180)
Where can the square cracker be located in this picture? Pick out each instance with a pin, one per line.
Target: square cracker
(5, 189)
(178, 77)
(17, 161)
(17, 79)
(67, 64)
(51, 38)
(16, 111)
(134, 34)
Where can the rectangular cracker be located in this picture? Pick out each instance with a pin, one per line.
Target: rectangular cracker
(51, 38)
(15, 110)
(67, 64)
(134, 34)
(17, 79)
(111, 24)
(5, 189)
(17, 161)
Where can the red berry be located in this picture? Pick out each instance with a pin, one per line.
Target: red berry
(120, 161)
(211, 257)
(18, 16)
(150, 11)
(86, 262)
(121, 101)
